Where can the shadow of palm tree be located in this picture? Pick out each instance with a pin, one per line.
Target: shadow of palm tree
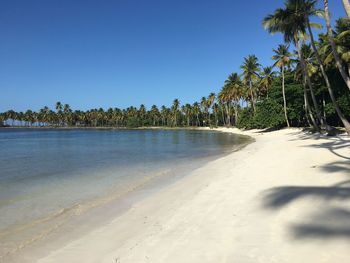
(331, 222)
(280, 196)
(340, 166)
(333, 144)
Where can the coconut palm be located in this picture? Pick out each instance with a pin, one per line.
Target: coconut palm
(215, 109)
(174, 110)
(225, 98)
(342, 41)
(196, 112)
(311, 10)
(250, 68)
(267, 76)
(347, 7)
(282, 58)
(291, 22)
(234, 93)
(337, 58)
(187, 110)
(210, 101)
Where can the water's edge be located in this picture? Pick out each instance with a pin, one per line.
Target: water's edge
(86, 217)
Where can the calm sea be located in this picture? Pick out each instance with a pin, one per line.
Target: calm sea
(48, 176)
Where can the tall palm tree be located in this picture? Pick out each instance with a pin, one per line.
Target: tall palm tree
(210, 101)
(196, 111)
(267, 76)
(342, 41)
(250, 68)
(310, 10)
(204, 107)
(337, 58)
(347, 7)
(59, 108)
(174, 109)
(225, 98)
(283, 59)
(215, 109)
(233, 90)
(291, 22)
(67, 113)
(187, 110)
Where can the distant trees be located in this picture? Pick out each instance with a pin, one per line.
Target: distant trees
(310, 86)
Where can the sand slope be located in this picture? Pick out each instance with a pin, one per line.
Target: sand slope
(284, 198)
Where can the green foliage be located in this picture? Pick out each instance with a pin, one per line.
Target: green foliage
(133, 122)
(269, 114)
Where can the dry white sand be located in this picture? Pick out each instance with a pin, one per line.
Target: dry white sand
(284, 198)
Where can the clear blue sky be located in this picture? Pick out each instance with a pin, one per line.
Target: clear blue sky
(118, 53)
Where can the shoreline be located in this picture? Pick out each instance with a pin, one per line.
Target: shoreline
(259, 204)
(108, 206)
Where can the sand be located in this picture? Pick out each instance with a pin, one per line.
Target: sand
(283, 198)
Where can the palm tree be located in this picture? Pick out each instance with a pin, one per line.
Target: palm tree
(204, 107)
(67, 112)
(291, 22)
(196, 111)
(142, 114)
(215, 109)
(187, 110)
(311, 10)
(338, 61)
(154, 114)
(342, 41)
(233, 88)
(267, 76)
(250, 69)
(282, 58)
(347, 7)
(174, 109)
(224, 98)
(210, 101)
(59, 108)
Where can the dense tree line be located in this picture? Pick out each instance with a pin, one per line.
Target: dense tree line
(308, 84)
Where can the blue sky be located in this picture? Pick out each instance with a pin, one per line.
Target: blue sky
(93, 54)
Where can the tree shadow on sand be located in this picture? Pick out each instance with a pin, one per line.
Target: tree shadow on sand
(333, 144)
(330, 222)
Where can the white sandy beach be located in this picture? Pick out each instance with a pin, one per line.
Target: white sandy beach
(283, 198)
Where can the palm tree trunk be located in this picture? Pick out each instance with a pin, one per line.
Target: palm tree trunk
(328, 84)
(334, 48)
(223, 116)
(347, 7)
(228, 115)
(236, 114)
(308, 109)
(251, 94)
(308, 81)
(284, 98)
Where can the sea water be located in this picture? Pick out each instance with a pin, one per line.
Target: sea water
(49, 176)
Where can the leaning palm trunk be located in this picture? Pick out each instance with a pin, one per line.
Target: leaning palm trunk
(308, 112)
(284, 99)
(328, 85)
(308, 81)
(347, 7)
(334, 48)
